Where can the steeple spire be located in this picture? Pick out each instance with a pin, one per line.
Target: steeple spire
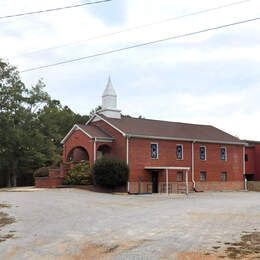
(109, 101)
(109, 94)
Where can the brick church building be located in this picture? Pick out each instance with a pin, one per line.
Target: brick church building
(163, 156)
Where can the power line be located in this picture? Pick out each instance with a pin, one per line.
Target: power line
(142, 44)
(138, 27)
(54, 9)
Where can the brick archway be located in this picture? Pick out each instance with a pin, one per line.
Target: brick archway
(78, 154)
(103, 150)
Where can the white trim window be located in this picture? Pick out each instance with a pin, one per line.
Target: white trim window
(223, 153)
(203, 153)
(179, 152)
(154, 150)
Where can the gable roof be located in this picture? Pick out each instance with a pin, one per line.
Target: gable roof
(95, 131)
(90, 130)
(139, 127)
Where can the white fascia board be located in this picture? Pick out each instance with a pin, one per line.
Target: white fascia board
(120, 131)
(166, 168)
(68, 134)
(186, 139)
(75, 127)
(104, 140)
(90, 119)
(84, 131)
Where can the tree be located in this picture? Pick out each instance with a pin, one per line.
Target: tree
(19, 137)
(31, 126)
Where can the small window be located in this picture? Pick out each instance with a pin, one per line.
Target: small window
(223, 153)
(246, 157)
(203, 153)
(179, 176)
(203, 176)
(179, 151)
(223, 176)
(154, 151)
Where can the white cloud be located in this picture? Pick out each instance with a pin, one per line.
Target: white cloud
(210, 78)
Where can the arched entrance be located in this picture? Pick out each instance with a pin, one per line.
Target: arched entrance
(78, 154)
(103, 150)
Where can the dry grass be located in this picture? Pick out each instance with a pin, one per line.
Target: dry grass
(246, 248)
(5, 220)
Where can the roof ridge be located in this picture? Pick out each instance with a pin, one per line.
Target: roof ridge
(166, 121)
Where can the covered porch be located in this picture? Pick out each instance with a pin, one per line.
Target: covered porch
(166, 186)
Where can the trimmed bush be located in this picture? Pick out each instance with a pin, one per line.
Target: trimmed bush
(110, 172)
(80, 174)
(41, 172)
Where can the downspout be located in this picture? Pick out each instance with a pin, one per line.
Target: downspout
(192, 165)
(244, 169)
(95, 147)
(127, 160)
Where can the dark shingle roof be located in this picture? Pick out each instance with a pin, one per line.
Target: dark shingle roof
(95, 131)
(174, 130)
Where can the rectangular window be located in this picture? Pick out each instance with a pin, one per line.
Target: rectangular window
(223, 153)
(246, 157)
(179, 151)
(223, 176)
(203, 153)
(203, 176)
(179, 176)
(154, 151)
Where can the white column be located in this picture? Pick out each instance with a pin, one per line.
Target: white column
(192, 165)
(167, 181)
(95, 152)
(127, 160)
(244, 167)
(187, 182)
(127, 150)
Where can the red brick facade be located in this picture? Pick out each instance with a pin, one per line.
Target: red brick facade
(252, 155)
(139, 157)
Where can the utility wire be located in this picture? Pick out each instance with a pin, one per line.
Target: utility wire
(137, 27)
(54, 9)
(142, 44)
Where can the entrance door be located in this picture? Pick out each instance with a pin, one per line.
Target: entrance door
(155, 182)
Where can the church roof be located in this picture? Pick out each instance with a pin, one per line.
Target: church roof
(140, 127)
(95, 131)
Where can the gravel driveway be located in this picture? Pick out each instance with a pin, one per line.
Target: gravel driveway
(77, 224)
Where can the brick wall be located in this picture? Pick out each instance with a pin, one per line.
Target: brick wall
(119, 144)
(139, 158)
(250, 164)
(257, 162)
(213, 165)
(48, 182)
(78, 139)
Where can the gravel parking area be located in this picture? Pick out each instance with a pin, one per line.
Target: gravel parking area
(77, 224)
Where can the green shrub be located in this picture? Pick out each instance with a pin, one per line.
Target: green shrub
(110, 172)
(80, 174)
(41, 172)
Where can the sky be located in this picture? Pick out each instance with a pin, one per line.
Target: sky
(209, 78)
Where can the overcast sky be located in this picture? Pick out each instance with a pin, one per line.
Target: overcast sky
(210, 78)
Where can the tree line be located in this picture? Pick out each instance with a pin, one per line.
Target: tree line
(32, 124)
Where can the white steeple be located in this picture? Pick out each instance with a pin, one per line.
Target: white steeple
(109, 102)
(109, 97)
